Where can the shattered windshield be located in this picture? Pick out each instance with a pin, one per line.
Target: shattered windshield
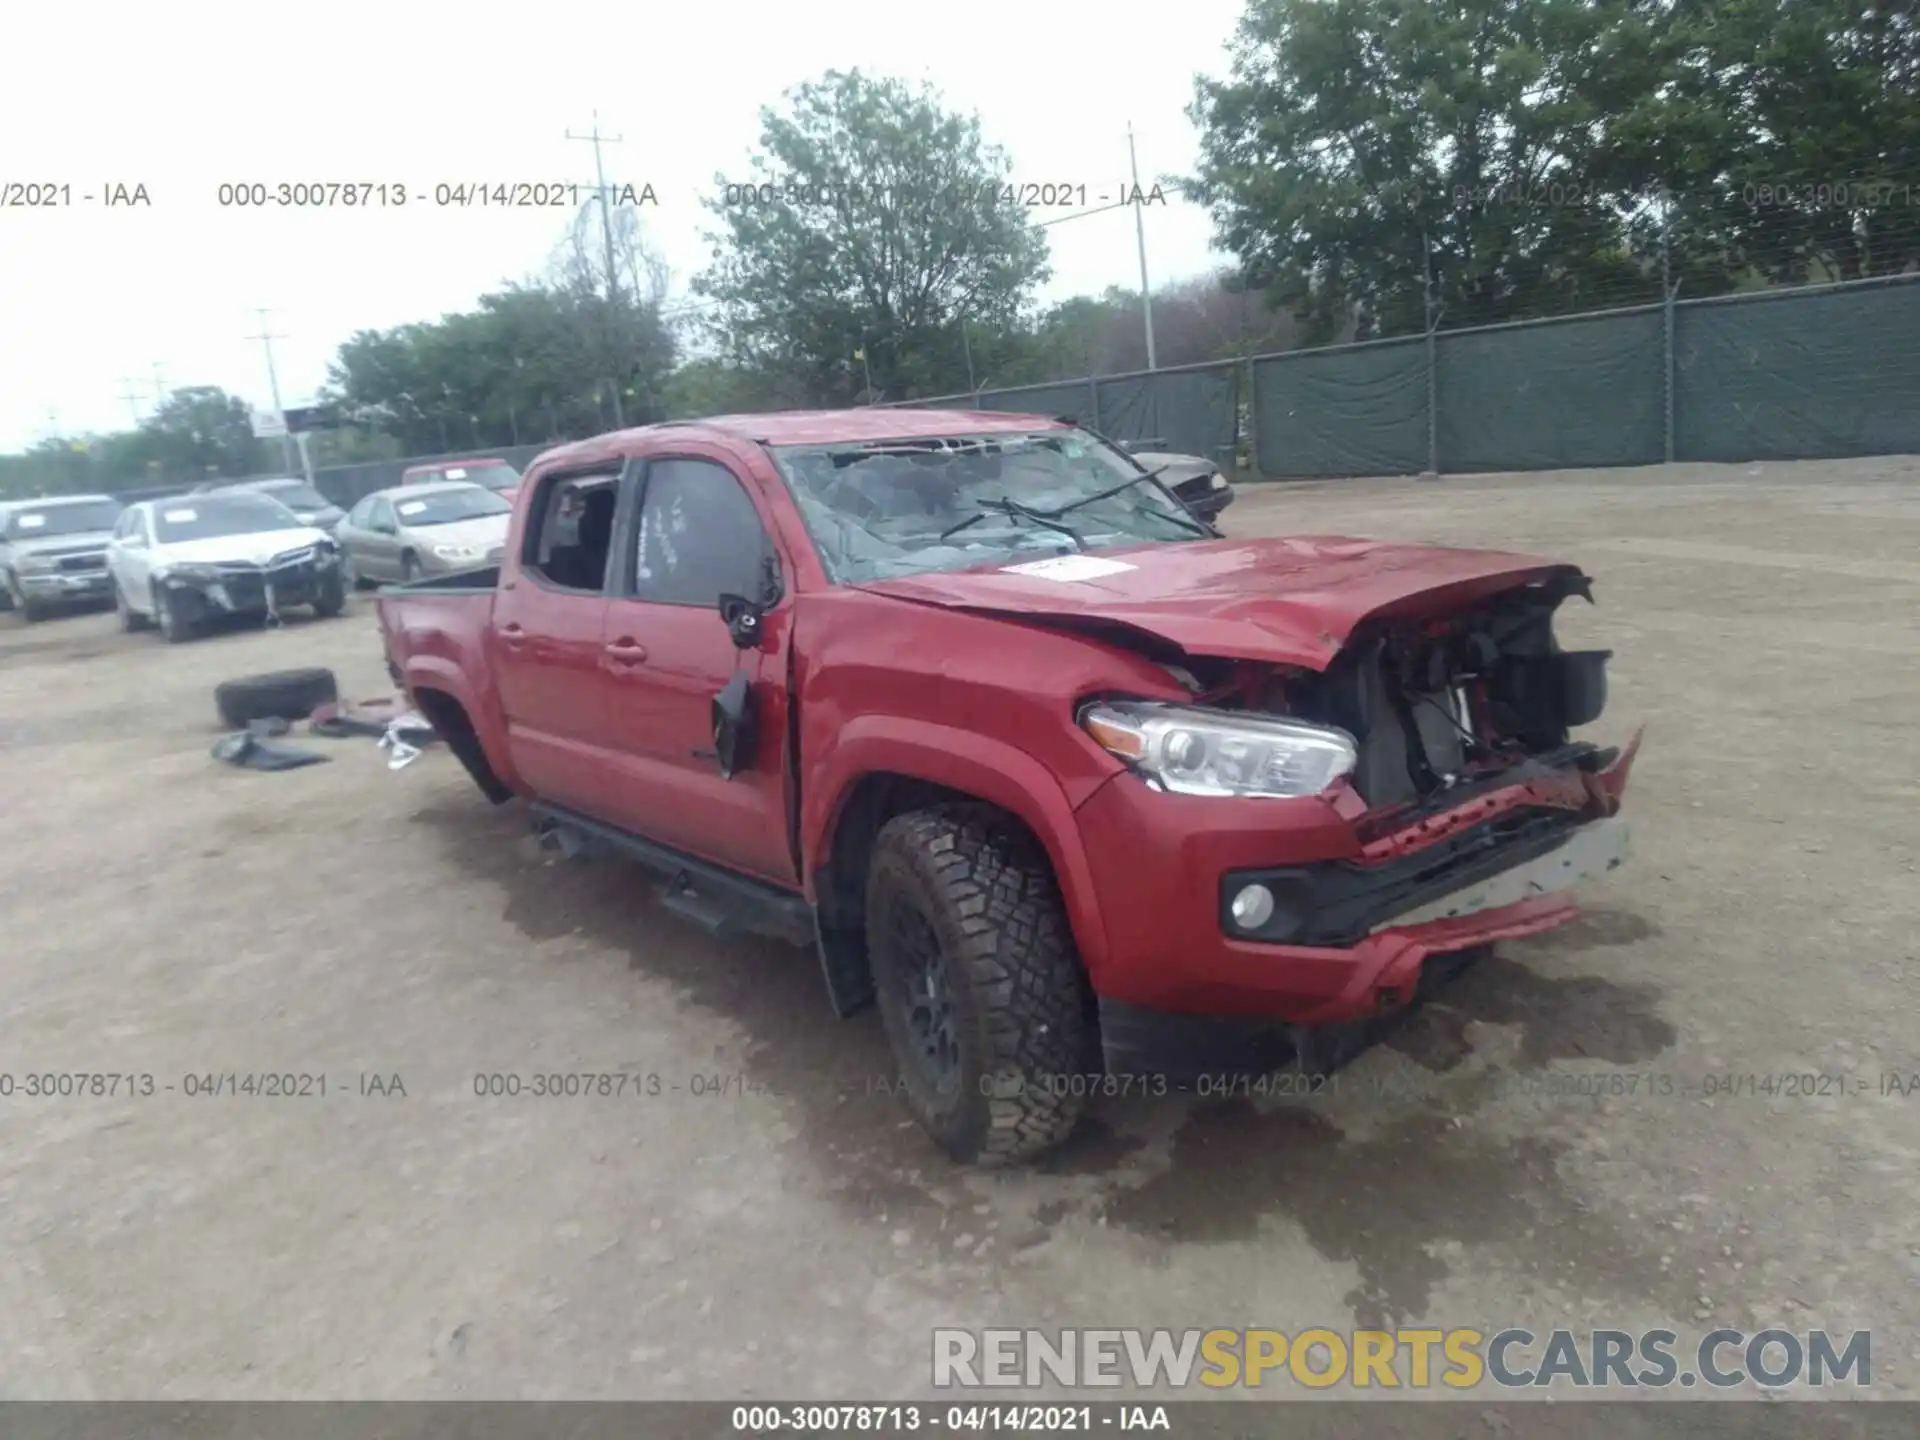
(904, 507)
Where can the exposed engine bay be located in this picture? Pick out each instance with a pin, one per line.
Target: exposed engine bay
(1435, 702)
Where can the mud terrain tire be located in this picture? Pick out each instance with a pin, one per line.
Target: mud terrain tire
(980, 990)
(278, 694)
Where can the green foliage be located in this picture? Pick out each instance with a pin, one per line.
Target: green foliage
(198, 432)
(1544, 152)
(881, 243)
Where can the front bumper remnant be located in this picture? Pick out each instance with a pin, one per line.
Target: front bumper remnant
(1349, 936)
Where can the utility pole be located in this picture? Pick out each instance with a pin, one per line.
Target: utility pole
(1140, 238)
(606, 233)
(132, 398)
(266, 337)
(159, 387)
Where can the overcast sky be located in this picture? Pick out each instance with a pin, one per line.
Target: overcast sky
(91, 297)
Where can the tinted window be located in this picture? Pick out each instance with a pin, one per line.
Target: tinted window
(203, 517)
(700, 537)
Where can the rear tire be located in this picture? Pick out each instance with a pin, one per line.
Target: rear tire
(277, 694)
(980, 990)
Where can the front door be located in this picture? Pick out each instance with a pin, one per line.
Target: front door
(697, 536)
(545, 646)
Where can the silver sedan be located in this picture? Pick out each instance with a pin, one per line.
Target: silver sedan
(413, 531)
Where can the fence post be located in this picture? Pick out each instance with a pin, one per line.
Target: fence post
(1093, 403)
(1667, 292)
(1433, 368)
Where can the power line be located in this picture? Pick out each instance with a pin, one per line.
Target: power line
(266, 338)
(606, 230)
(128, 394)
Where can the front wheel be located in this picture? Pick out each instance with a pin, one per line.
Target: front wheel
(332, 598)
(174, 626)
(350, 573)
(409, 568)
(979, 988)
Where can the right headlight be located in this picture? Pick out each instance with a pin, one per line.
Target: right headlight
(1193, 751)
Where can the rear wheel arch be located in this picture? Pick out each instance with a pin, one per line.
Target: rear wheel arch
(452, 723)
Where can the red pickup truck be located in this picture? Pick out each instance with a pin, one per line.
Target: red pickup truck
(1081, 794)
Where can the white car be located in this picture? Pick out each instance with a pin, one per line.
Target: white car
(181, 562)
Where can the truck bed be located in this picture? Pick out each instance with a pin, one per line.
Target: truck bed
(460, 582)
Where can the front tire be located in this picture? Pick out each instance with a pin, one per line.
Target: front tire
(332, 599)
(980, 990)
(350, 572)
(174, 626)
(409, 568)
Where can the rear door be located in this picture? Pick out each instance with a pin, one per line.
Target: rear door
(544, 647)
(698, 534)
(129, 557)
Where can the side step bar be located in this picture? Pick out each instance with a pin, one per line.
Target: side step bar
(714, 898)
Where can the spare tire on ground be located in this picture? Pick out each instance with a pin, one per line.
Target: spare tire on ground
(278, 694)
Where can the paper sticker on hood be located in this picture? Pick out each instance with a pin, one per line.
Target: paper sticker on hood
(1069, 568)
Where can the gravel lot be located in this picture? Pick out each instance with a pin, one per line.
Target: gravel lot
(786, 1232)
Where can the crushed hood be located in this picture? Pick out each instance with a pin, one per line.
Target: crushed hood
(1291, 601)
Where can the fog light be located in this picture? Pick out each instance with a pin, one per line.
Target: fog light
(1252, 907)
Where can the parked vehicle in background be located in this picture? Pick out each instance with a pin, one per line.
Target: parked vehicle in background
(53, 552)
(494, 474)
(1201, 485)
(182, 562)
(413, 531)
(309, 504)
(1034, 759)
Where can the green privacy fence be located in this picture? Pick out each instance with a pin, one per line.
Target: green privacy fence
(1814, 373)
(1191, 409)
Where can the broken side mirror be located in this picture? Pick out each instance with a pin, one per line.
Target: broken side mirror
(742, 619)
(733, 726)
(742, 616)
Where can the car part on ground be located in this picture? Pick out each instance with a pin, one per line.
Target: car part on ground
(367, 719)
(253, 749)
(405, 738)
(279, 694)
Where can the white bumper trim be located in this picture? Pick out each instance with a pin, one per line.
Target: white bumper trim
(1593, 850)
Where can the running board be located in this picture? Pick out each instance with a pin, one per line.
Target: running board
(718, 900)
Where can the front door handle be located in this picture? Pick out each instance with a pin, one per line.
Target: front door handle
(512, 636)
(627, 652)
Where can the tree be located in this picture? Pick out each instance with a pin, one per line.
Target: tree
(1785, 135)
(615, 283)
(1354, 138)
(875, 235)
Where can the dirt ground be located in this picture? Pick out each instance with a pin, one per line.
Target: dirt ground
(775, 1227)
